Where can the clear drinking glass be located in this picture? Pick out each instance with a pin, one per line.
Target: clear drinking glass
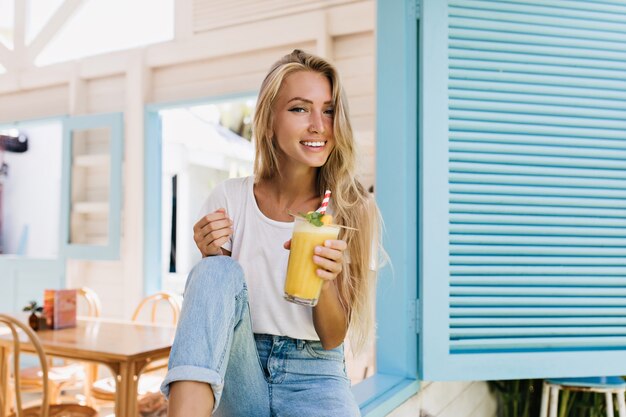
(302, 285)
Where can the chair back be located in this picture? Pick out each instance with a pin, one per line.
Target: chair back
(154, 300)
(14, 326)
(94, 307)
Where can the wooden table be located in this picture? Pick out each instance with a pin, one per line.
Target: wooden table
(125, 347)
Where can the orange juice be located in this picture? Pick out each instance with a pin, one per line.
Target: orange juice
(302, 285)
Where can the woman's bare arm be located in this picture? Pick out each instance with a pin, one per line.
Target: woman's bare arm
(329, 317)
(190, 399)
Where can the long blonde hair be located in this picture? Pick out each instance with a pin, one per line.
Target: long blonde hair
(352, 205)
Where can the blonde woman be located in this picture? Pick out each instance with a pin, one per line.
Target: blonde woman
(240, 348)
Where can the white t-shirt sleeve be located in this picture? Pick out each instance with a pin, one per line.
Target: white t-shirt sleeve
(216, 200)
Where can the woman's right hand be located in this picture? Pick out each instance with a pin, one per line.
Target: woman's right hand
(211, 232)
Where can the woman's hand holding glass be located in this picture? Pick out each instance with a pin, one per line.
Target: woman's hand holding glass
(212, 231)
(328, 257)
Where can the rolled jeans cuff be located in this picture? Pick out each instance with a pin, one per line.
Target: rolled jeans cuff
(194, 373)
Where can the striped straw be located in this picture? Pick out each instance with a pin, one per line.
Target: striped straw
(325, 201)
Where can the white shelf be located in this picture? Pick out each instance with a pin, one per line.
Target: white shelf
(89, 161)
(90, 207)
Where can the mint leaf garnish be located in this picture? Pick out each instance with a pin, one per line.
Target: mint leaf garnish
(314, 218)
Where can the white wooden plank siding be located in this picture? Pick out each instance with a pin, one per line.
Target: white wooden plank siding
(105, 94)
(34, 104)
(355, 61)
(211, 14)
(537, 178)
(240, 73)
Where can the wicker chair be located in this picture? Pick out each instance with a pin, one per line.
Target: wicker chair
(45, 409)
(154, 300)
(92, 301)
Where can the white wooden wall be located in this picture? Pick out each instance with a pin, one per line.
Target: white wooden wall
(208, 58)
(211, 14)
(449, 399)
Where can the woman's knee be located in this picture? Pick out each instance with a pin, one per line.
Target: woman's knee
(216, 273)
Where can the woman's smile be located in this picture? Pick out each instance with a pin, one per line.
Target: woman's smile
(314, 146)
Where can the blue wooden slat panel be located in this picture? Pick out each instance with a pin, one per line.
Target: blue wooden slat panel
(115, 125)
(524, 189)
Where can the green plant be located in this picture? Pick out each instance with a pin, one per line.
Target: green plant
(582, 404)
(517, 398)
(35, 321)
(33, 306)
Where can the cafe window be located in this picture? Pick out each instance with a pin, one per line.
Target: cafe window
(202, 145)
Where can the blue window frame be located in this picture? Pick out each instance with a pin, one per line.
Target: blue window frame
(152, 198)
(113, 124)
(397, 303)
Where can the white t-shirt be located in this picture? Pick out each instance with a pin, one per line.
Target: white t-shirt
(257, 244)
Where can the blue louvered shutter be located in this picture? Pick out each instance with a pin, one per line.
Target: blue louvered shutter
(523, 189)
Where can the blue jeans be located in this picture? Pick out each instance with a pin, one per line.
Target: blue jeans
(251, 375)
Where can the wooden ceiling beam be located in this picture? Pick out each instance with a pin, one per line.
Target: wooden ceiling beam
(52, 27)
(6, 57)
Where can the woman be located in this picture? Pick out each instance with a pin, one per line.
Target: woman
(240, 348)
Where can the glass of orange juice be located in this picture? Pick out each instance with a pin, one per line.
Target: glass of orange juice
(302, 285)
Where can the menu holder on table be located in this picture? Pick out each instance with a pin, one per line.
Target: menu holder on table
(59, 308)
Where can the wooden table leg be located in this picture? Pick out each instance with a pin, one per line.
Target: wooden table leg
(121, 390)
(131, 396)
(91, 374)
